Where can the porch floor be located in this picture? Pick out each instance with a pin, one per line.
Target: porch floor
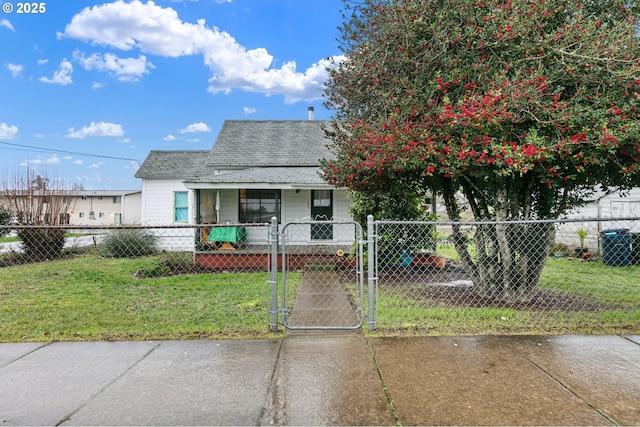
(258, 256)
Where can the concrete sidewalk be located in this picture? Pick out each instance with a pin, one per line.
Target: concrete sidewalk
(324, 379)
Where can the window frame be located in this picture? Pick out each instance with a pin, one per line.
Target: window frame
(181, 211)
(262, 195)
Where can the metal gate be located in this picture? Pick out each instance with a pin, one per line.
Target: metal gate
(321, 280)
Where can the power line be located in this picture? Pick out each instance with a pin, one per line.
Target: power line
(52, 150)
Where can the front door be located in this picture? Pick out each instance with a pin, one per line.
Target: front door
(321, 210)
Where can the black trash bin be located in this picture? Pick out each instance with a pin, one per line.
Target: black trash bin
(616, 247)
(635, 248)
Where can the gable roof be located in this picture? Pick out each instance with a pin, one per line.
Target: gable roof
(172, 164)
(269, 143)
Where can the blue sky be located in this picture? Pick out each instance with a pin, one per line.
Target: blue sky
(88, 88)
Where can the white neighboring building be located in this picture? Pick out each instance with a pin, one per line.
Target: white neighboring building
(106, 207)
(603, 206)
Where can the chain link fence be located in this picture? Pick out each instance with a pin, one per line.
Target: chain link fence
(133, 282)
(577, 276)
(573, 276)
(322, 283)
(184, 249)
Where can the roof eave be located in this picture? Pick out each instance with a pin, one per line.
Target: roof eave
(253, 186)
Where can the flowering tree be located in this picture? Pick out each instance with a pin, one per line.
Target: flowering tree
(524, 106)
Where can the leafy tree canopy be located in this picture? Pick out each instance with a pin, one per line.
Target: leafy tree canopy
(524, 105)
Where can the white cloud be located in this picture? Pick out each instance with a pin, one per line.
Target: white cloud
(125, 69)
(249, 110)
(15, 69)
(159, 31)
(96, 85)
(62, 76)
(5, 23)
(8, 131)
(193, 140)
(196, 128)
(169, 138)
(77, 162)
(96, 129)
(53, 160)
(43, 61)
(95, 178)
(96, 165)
(132, 165)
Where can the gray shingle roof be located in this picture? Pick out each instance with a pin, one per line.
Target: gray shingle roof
(172, 164)
(256, 143)
(275, 175)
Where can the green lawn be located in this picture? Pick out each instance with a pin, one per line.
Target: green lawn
(613, 292)
(95, 298)
(92, 298)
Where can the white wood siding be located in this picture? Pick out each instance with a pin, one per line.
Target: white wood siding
(157, 201)
(132, 209)
(341, 205)
(295, 205)
(157, 209)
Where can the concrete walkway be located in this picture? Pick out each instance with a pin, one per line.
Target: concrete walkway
(322, 302)
(325, 380)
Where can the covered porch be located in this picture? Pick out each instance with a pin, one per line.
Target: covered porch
(235, 209)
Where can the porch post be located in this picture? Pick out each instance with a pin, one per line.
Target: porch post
(371, 279)
(273, 279)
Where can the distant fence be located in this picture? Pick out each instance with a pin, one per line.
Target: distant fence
(589, 283)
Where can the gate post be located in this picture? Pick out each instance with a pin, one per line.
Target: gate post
(371, 280)
(273, 280)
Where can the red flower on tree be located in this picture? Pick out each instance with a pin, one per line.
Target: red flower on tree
(500, 104)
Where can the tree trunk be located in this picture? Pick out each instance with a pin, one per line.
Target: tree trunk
(511, 257)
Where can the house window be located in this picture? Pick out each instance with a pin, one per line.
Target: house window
(117, 199)
(80, 214)
(259, 205)
(180, 206)
(101, 215)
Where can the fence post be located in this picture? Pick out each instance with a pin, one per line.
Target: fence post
(273, 280)
(371, 280)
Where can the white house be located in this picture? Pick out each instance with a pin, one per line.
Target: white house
(256, 170)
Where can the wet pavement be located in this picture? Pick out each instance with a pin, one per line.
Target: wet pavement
(322, 302)
(325, 379)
